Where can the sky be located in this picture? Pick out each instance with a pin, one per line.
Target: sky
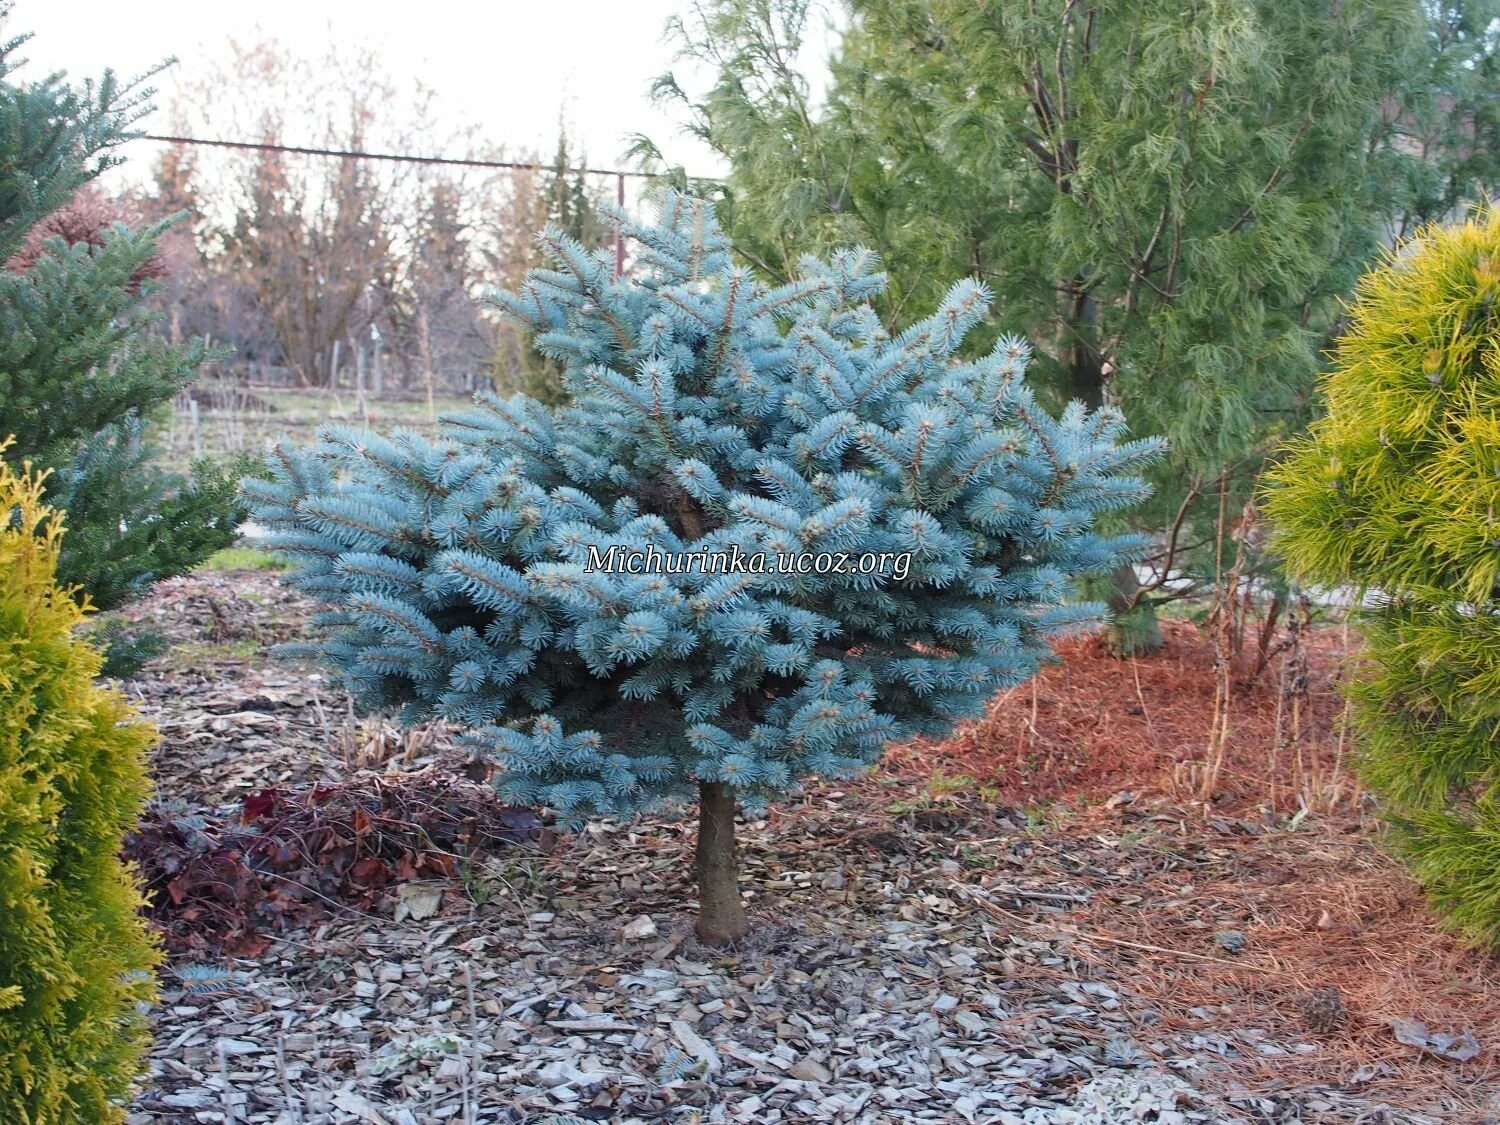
(508, 67)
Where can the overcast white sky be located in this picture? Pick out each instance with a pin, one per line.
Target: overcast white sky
(508, 66)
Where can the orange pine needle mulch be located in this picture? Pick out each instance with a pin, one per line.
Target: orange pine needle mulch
(1093, 724)
(1323, 909)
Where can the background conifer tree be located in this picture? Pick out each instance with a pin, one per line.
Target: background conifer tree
(81, 369)
(1170, 199)
(709, 411)
(568, 202)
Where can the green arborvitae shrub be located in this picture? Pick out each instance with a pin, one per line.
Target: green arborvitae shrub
(1396, 494)
(75, 956)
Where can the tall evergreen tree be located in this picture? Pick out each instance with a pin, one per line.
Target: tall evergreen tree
(572, 206)
(1169, 198)
(473, 577)
(1442, 126)
(80, 366)
(432, 320)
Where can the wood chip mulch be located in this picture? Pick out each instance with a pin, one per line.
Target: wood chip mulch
(928, 949)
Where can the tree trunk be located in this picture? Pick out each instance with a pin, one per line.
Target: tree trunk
(721, 914)
(1084, 363)
(1133, 629)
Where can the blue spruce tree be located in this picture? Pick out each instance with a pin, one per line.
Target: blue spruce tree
(943, 518)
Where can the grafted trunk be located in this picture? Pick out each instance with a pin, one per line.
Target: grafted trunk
(721, 914)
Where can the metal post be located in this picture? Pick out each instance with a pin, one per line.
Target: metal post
(619, 235)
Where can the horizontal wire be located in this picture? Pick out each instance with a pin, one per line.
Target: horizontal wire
(350, 154)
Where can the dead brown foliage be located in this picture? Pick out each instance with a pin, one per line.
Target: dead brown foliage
(287, 857)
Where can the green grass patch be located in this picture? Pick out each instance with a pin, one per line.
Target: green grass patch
(190, 655)
(243, 558)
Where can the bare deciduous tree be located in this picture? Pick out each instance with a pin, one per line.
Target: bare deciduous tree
(312, 238)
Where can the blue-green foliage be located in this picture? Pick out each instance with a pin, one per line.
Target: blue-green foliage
(708, 411)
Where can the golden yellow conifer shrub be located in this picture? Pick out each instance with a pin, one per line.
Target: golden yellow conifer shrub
(1396, 494)
(76, 958)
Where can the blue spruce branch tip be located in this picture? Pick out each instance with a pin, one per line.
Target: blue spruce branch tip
(710, 411)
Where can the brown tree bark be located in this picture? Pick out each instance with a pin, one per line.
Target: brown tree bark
(1084, 363)
(721, 914)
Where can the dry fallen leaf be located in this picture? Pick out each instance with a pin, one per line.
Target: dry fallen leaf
(417, 901)
(638, 929)
(1414, 1033)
